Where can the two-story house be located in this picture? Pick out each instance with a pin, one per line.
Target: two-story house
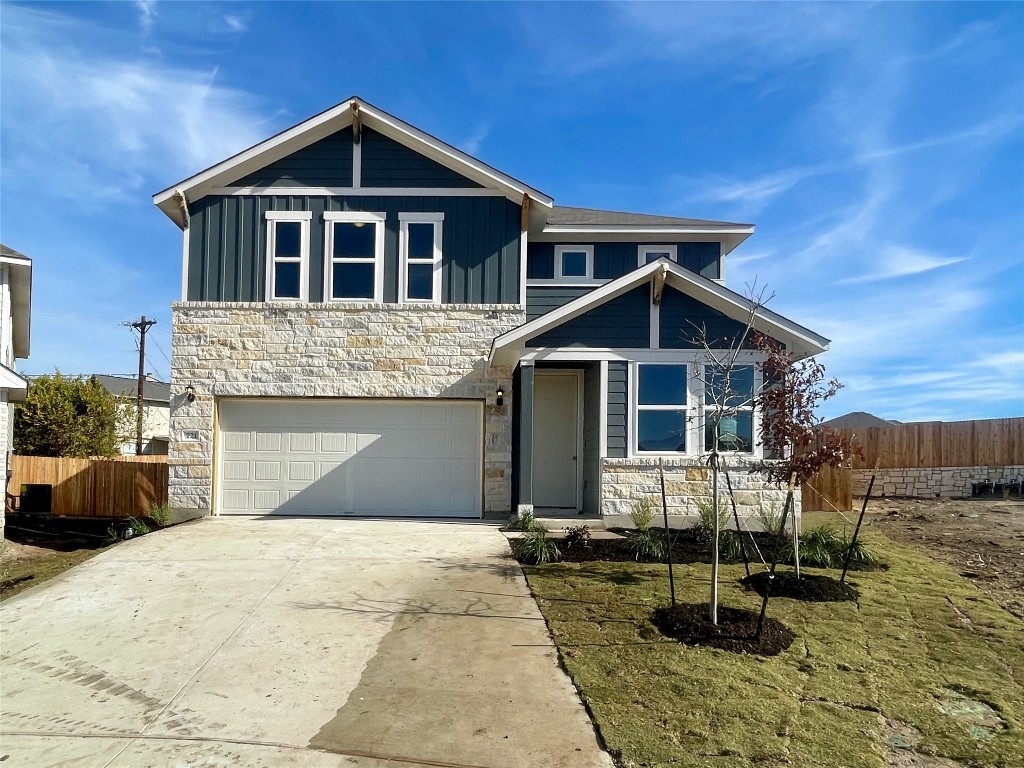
(376, 323)
(15, 334)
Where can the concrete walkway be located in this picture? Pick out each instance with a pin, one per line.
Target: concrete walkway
(289, 642)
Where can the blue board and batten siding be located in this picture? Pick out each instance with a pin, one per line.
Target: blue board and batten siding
(480, 259)
(324, 163)
(387, 163)
(542, 299)
(622, 322)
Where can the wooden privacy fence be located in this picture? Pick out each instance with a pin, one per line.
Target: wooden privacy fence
(121, 487)
(923, 444)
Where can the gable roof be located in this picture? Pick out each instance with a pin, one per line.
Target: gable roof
(566, 222)
(857, 420)
(324, 124)
(128, 386)
(21, 298)
(505, 349)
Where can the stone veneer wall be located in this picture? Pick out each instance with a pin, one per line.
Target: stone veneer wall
(929, 482)
(625, 481)
(333, 350)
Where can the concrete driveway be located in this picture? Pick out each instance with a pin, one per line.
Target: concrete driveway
(289, 642)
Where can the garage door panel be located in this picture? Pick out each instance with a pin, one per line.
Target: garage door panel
(268, 442)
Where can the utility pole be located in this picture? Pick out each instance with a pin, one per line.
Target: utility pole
(142, 326)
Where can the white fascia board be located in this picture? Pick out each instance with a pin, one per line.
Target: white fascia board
(323, 125)
(21, 304)
(587, 229)
(797, 338)
(15, 384)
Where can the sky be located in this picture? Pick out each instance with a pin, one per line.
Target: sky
(878, 148)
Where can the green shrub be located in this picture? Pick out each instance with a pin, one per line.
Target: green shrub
(646, 544)
(730, 546)
(127, 529)
(160, 514)
(826, 546)
(642, 514)
(578, 536)
(706, 509)
(535, 548)
(525, 522)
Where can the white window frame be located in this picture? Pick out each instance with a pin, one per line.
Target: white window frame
(645, 248)
(587, 276)
(687, 408)
(405, 219)
(302, 218)
(707, 409)
(354, 217)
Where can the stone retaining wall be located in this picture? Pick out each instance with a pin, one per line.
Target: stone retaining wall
(333, 350)
(929, 482)
(625, 481)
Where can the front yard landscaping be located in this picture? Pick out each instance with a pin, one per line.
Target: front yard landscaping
(921, 670)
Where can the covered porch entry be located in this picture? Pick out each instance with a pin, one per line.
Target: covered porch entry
(559, 426)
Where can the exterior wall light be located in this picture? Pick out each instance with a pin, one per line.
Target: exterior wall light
(500, 397)
(190, 393)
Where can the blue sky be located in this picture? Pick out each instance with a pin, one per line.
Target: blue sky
(879, 149)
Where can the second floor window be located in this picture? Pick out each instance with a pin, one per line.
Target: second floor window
(649, 253)
(354, 247)
(287, 255)
(419, 246)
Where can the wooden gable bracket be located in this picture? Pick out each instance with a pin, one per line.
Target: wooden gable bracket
(357, 123)
(524, 219)
(659, 284)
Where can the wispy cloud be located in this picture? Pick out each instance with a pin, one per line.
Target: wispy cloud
(109, 124)
(900, 261)
(236, 23)
(147, 15)
(471, 145)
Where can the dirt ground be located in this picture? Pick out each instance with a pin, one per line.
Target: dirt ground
(983, 539)
(28, 558)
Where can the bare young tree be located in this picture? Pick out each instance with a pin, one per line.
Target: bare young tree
(730, 395)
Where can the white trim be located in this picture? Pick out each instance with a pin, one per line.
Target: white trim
(603, 229)
(288, 215)
(578, 374)
(621, 354)
(357, 163)
(523, 255)
(655, 320)
(302, 218)
(377, 220)
(547, 282)
(352, 191)
(801, 340)
(184, 263)
(603, 416)
(643, 249)
(588, 269)
(405, 219)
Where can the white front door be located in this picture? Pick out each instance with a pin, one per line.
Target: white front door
(356, 456)
(556, 439)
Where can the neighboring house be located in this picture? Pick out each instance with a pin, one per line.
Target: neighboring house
(15, 334)
(857, 420)
(375, 323)
(156, 410)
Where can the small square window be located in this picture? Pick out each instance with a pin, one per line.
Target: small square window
(649, 253)
(574, 262)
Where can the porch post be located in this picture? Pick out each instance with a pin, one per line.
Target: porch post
(525, 423)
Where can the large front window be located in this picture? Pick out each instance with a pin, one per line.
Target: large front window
(354, 247)
(661, 408)
(729, 403)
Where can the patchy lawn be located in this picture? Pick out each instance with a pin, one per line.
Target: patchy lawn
(28, 560)
(924, 671)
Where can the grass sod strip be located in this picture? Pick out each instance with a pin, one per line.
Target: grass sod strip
(864, 683)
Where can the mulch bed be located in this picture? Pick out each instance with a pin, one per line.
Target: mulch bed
(688, 623)
(812, 588)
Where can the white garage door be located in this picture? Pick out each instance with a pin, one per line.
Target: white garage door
(350, 457)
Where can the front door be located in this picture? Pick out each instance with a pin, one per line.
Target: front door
(556, 439)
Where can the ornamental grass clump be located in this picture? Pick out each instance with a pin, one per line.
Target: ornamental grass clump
(535, 548)
(644, 543)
